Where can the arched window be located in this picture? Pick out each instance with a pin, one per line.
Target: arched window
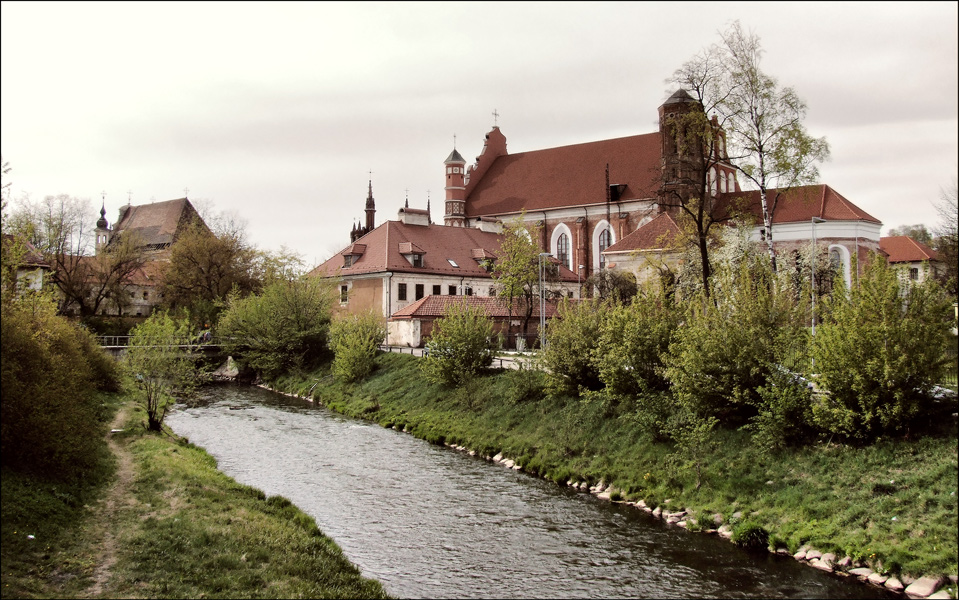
(730, 182)
(604, 243)
(562, 249)
(722, 182)
(560, 243)
(712, 182)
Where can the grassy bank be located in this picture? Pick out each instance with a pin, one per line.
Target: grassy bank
(157, 519)
(891, 505)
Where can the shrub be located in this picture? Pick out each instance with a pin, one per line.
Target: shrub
(460, 346)
(784, 417)
(879, 352)
(731, 342)
(750, 536)
(49, 410)
(570, 345)
(354, 340)
(282, 329)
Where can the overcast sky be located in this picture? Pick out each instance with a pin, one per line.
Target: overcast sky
(278, 112)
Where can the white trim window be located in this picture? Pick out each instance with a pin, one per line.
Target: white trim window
(602, 239)
(560, 245)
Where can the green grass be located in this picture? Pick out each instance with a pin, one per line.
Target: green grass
(892, 504)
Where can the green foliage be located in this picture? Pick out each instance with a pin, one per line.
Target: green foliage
(354, 340)
(161, 367)
(49, 419)
(633, 341)
(750, 536)
(570, 346)
(784, 417)
(730, 343)
(879, 351)
(283, 328)
(460, 346)
(526, 383)
(695, 441)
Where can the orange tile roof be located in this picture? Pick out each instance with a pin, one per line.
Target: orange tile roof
(657, 234)
(902, 248)
(567, 176)
(439, 244)
(803, 203)
(436, 306)
(31, 256)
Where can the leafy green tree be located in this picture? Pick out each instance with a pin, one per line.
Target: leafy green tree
(618, 286)
(203, 269)
(354, 340)
(879, 350)
(460, 346)
(568, 358)
(918, 232)
(731, 342)
(763, 122)
(517, 269)
(283, 328)
(162, 364)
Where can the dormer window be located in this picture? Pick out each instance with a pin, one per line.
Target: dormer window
(412, 253)
(416, 260)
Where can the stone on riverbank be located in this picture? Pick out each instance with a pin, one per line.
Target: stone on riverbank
(923, 587)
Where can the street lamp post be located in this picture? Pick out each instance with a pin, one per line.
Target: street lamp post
(542, 301)
(579, 277)
(812, 275)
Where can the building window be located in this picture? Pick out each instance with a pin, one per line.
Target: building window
(562, 249)
(452, 290)
(437, 290)
(419, 291)
(343, 293)
(416, 260)
(401, 292)
(914, 273)
(604, 239)
(468, 291)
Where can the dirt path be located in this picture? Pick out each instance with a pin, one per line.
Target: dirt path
(105, 514)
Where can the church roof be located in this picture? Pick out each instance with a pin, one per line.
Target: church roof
(657, 234)
(567, 176)
(159, 223)
(456, 251)
(800, 204)
(454, 157)
(902, 249)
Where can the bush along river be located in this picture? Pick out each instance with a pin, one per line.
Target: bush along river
(428, 521)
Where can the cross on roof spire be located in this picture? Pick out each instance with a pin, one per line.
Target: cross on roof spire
(186, 192)
(495, 117)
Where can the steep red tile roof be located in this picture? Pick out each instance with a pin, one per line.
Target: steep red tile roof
(657, 234)
(567, 176)
(158, 223)
(439, 245)
(803, 203)
(436, 306)
(902, 248)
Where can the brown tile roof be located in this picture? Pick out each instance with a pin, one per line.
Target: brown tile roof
(803, 203)
(657, 234)
(158, 223)
(439, 244)
(902, 248)
(567, 176)
(436, 306)
(31, 256)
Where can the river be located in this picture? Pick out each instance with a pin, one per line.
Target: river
(431, 522)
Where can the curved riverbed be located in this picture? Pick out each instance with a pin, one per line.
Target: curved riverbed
(428, 521)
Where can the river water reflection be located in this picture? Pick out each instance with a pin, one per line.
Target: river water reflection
(430, 522)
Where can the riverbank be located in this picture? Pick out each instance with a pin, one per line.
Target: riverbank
(158, 520)
(888, 510)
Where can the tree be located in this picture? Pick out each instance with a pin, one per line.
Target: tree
(918, 232)
(947, 236)
(460, 346)
(354, 340)
(571, 345)
(283, 328)
(60, 228)
(880, 349)
(517, 269)
(204, 267)
(162, 364)
(763, 122)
